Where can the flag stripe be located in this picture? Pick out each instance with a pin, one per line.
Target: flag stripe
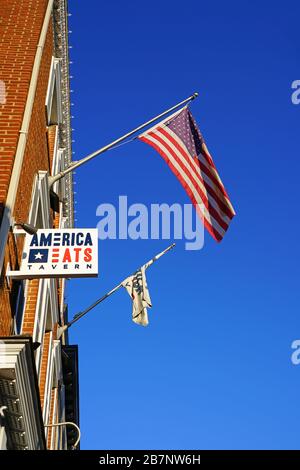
(212, 226)
(178, 140)
(215, 184)
(205, 152)
(209, 203)
(189, 162)
(198, 206)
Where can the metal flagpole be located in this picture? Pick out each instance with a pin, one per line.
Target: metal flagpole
(76, 164)
(79, 315)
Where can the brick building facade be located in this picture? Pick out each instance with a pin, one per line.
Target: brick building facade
(36, 366)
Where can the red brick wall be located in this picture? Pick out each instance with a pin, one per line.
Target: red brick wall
(44, 365)
(20, 27)
(29, 315)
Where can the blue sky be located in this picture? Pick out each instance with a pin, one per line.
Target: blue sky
(213, 370)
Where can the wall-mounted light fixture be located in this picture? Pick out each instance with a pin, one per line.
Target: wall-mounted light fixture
(28, 228)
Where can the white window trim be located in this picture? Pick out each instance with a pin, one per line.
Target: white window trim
(55, 149)
(62, 297)
(33, 211)
(40, 319)
(34, 202)
(47, 298)
(40, 196)
(58, 165)
(47, 287)
(63, 222)
(54, 377)
(48, 382)
(54, 430)
(57, 362)
(54, 80)
(54, 308)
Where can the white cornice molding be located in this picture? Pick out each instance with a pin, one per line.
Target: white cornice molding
(19, 393)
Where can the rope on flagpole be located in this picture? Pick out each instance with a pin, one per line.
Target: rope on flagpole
(122, 143)
(76, 164)
(163, 125)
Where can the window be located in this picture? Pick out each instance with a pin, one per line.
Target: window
(47, 311)
(38, 217)
(46, 315)
(57, 167)
(58, 191)
(53, 98)
(18, 303)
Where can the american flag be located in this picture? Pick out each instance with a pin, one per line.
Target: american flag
(180, 143)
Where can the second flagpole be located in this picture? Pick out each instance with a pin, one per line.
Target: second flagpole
(79, 315)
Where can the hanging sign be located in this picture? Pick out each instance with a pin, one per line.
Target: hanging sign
(59, 253)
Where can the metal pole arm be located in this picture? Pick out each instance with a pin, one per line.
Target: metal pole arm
(74, 165)
(79, 315)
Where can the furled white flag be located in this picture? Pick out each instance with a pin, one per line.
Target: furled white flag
(137, 288)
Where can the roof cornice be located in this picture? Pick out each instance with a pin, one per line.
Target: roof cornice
(60, 24)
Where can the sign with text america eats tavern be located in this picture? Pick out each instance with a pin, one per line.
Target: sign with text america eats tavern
(60, 253)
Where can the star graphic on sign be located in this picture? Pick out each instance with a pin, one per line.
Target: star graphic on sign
(38, 255)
